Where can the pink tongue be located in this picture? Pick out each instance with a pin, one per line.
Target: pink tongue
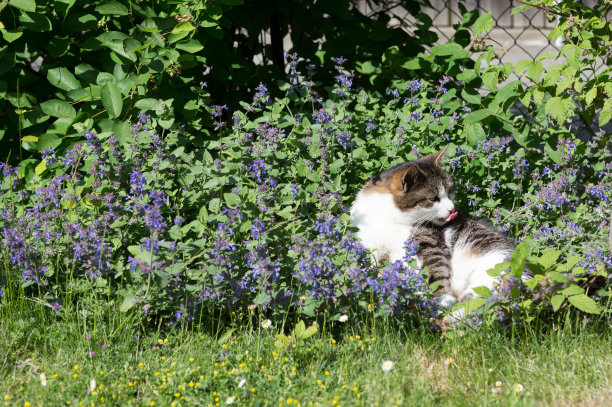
(451, 216)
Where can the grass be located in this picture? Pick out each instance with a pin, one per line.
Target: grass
(568, 363)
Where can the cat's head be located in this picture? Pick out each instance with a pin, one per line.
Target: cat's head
(422, 191)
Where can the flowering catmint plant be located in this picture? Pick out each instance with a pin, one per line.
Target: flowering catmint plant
(253, 214)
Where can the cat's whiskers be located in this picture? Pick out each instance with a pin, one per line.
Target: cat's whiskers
(422, 220)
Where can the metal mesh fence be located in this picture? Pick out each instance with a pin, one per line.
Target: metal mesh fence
(520, 36)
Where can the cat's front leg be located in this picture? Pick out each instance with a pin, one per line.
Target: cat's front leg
(436, 256)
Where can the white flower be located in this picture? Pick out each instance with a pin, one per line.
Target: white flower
(518, 388)
(449, 361)
(92, 385)
(242, 383)
(343, 318)
(229, 400)
(495, 390)
(498, 383)
(387, 365)
(266, 323)
(43, 379)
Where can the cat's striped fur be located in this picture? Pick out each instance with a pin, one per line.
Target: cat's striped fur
(412, 201)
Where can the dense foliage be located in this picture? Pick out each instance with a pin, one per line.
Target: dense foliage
(249, 215)
(66, 63)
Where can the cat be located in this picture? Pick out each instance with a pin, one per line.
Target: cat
(413, 200)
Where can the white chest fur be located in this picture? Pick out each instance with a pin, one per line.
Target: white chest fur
(382, 227)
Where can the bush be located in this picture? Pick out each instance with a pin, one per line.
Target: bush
(67, 64)
(250, 216)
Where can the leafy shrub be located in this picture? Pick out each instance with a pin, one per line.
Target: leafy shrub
(252, 213)
(67, 64)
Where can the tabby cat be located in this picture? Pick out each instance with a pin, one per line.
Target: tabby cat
(413, 200)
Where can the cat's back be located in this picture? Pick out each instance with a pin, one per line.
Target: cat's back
(478, 234)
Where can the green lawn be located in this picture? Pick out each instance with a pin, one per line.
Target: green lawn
(569, 364)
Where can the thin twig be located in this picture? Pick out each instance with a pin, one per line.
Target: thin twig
(548, 10)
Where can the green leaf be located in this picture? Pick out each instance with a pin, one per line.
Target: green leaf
(474, 304)
(35, 22)
(450, 48)
(556, 301)
(226, 337)
(148, 104)
(477, 115)
(311, 330)
(517, 260)
(434, 286)
(558, 277)
(549, 257)
(122, 131)
(560, 108)
(131, 45)
(25, 5)
(62, 78)
(531, 283)
(41, 167)
(183, 27)
(191, 46)
(475, 133)
(112, 8)
(47, 140)
(564, 84)
(483, 291)
(466, 76)
(606, 113)
(282, 337)
(572, 290)
(58, 108)
(261, 298)
(30, 139)
(534, 70)
(232, 200)
(590, 95)
(483, 23)
(63, 6)
(128, 302)
(490, 79)
(584, 303)
(412, 64)
(11, 35)
(473, 97)
(299, 329)
(111, 99)
(573, 58)
(496, 271)
(521, 65)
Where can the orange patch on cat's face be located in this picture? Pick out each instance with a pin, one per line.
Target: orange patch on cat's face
(378, 188)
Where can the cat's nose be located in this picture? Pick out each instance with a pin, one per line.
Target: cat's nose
(451, 210)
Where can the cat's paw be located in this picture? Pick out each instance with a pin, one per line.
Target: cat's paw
(447, 301)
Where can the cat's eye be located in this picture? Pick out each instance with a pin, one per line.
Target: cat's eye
(434, 198)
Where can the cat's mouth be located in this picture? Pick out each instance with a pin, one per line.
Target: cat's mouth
(451, 216)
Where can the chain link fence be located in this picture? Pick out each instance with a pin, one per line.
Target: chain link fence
(520, 36)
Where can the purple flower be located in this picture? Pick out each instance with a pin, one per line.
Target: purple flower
(321, 116)
(414, 85)
(344, 139)
(47, 153)
(137, 183)
(257, 170)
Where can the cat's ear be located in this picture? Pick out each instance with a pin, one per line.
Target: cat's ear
(435, 158)
(406, 178)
